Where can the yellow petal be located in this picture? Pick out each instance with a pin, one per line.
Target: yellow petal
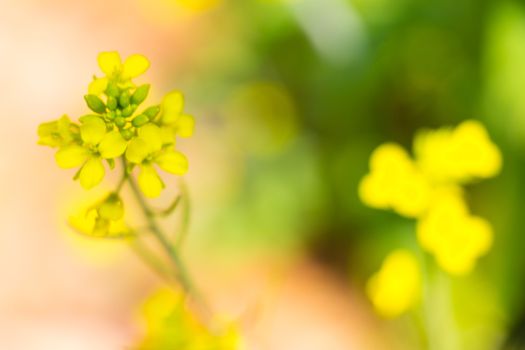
(374, 191)
(173, 162)
(134, 66)
(92, 129)
(149, 181)
(109, 62)
(112, 145)
(172, 106)
(71, 156)
(185, 125)
(152, 135)
(91, 173)
(137, 150)
(98, 86)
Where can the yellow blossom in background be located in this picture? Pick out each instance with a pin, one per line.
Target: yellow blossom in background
(395, 288)
(452, 235)
(394, 182)
(429, 189)
(171, 325)
(457, 155)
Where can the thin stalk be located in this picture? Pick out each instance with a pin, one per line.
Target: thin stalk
(182, 273)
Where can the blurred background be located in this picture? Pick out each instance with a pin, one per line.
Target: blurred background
(290, 99)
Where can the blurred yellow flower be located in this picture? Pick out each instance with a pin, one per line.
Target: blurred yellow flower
(395, 288)
(428, 189)
(455, 237)
(394, 182)
(457, 155)
(103, 219)
(171, 325)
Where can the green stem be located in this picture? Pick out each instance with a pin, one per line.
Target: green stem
(185, 214)
(182, 273)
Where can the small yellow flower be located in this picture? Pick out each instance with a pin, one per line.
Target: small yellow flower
(103, 219)
(394, 182)
(111, 65)
(457, 155)
(172, 120)
(395, 288)
(97, 144)
(148, 149)
(171, 325)
(456, 238)
(57, 133)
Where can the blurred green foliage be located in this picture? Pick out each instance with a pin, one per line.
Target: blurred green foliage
(316, 85)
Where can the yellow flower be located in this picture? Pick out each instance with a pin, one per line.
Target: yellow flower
(172, 120)
(103, 219)
(148, 149)
(57, 133)
(457, 155)
(456, 238)
(111, 65)
(171, 325)
(395, 288)
(394, 182)
(97, 144)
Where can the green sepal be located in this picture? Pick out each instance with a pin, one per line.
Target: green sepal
(111, 163)
(95, 104)
(77, 174)
(140, 94)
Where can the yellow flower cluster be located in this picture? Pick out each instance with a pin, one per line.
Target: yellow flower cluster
(429, 189)
(171, 325)
(397, 285)
(115, 128)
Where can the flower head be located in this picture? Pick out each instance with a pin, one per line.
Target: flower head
(428, 189)
(115, 123)
(456, 238)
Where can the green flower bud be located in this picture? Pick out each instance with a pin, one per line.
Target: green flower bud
(111, 115)
(152, 111)
(127, 134)
(112, 90)
(128, 111)
(140, 120)
(140, 94)
(120, 122)
(124, 99)
(112, 103)
(95, 104)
